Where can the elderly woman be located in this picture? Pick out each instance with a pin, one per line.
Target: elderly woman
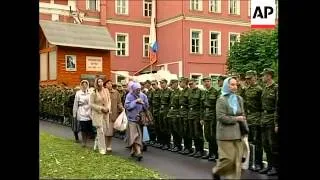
(101, 108)
(82, 111)
(230, 119)
(134, 104)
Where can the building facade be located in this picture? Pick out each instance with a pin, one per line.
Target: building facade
(194, 36)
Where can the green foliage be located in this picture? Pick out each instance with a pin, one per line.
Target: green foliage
(61, 158)
(257, 49)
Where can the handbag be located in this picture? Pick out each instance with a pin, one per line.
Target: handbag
(121, 122)
(145, 118)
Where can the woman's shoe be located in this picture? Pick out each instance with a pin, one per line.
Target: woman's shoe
(109, 150)
(139, 157)
(102, 152)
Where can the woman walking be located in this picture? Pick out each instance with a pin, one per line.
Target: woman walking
(230, 120)
(82, 111)
(101, 108)
(75, 124)
(134, 104)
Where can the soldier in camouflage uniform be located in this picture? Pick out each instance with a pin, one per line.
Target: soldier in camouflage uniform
(151, 128)
(155, 101)
(208, 118)
(275, 147)
(186, 126)
(174, 116)
(268, 100)
(164, 109)
(195, 111)
(252, 103)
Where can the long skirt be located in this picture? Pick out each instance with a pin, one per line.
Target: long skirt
(134, 134)
(75, 125)
(230, 157)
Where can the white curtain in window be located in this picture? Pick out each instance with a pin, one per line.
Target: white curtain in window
(43, 66)
(53, 65)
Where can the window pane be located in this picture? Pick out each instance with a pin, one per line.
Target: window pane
(123, 46)
(43, 66)
(53, 65)
(195, 34)
(123, 52)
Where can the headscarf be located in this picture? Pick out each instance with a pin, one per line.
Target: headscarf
(232, 99)
(85, 81)
(130, 85)
(135, 86)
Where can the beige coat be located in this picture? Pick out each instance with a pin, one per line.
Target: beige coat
(116, 105)
(96, 103)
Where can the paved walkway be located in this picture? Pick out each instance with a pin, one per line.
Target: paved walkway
(172, 164)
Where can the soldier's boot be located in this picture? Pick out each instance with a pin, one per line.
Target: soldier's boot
(265, 170)
(76, 137)
(181, 151)
(165, 147)
(258, 167)
(187, 151)
(199, 146)
(205, 156)
(193, 153)
(272, 172)
(212, 157)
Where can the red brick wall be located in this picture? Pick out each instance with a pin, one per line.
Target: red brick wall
(45, 1)
(73, 78)
(62, 2)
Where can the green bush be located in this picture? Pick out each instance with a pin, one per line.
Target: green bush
(257, 49)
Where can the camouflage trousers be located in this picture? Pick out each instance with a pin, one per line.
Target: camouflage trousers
(210, 135)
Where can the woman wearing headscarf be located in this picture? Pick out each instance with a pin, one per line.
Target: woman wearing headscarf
(82, 111)
(134, 104)
(230, 120)
(101, 108)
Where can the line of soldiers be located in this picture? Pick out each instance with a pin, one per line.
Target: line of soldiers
(181, 113)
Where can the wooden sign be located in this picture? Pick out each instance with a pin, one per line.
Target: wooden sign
(94, 64)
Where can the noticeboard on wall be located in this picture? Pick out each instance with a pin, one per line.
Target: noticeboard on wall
(94, 64)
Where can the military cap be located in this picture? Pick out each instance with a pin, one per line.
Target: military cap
(164, 80)
(174, 81)
(222, 78)
(147, 82)
(193, 80)
(251, 74)
(206, 78)
(268, 71)
(184, 79)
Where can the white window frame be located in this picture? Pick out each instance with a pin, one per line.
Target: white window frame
(126, 43)
(277, 9)
(117, 75)
(143, 8)
(233, 33)
(197, 74)
(126, 7)
(200, 2)
(97, 5)
(219, 42)
(219, 6)
(144, 45)
(200, 41)
(238, 6)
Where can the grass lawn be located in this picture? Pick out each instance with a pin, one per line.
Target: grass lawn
(60, 158)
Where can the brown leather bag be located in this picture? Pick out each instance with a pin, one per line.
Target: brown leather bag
(145, 118)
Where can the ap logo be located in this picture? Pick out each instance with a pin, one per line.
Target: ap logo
(263, 13)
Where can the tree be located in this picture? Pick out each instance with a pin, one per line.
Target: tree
(257, 49)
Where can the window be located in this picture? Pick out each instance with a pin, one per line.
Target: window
(215, 6)
(53, 65)
(122, 6)
(233, 37)
(43, 66)
(196, 5)
(48, 66)
(55, 17)
(197, 76)
(196, 41)
(215, 43)
(147, 8)
(120, 79)
(234, 7)
(93, 5)
(122, 44)
(146, 46)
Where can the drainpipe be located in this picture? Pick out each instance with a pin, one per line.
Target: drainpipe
(103, 12)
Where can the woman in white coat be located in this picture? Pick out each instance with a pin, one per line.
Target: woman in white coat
(82, 111)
